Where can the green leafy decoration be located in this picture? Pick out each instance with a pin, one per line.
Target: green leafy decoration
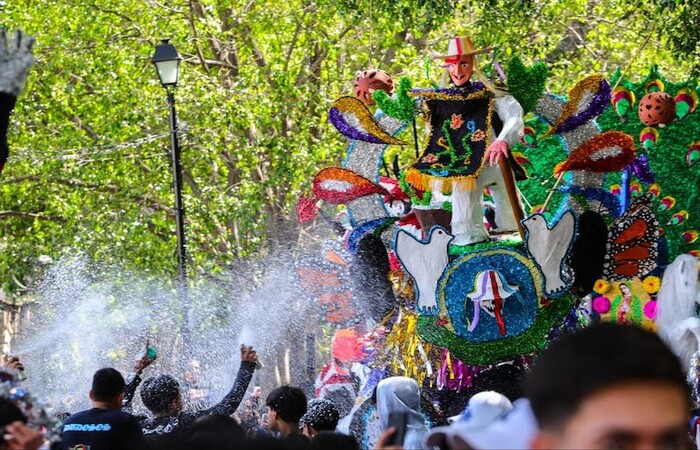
(526, 83)
(403, 108)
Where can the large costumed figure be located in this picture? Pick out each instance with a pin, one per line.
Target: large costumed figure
(472, 127)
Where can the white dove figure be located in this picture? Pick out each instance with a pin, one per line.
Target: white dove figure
(424, 261)
(677, 323)
(549, 246)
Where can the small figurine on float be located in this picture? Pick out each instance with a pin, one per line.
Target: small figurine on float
(472, 127)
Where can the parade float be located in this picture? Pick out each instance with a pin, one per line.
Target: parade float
(520, 215)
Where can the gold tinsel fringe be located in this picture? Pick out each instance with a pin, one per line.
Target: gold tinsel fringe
(424, 182)
(405, 351)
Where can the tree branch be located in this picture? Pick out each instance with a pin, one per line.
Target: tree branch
(32, 216)
(193, 25)
(110, 188)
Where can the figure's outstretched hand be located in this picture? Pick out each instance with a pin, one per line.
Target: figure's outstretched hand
(495, 150)
(16, 58)
(248, 354)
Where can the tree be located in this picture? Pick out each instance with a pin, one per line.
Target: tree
(89, 169)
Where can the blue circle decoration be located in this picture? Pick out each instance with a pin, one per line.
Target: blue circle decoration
(518, 311)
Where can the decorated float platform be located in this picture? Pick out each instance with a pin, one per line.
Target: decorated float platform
(605, 183)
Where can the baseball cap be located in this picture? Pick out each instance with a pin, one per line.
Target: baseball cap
(514, 429)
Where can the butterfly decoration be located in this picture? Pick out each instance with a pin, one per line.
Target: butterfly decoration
(326, 282)
(632, 246)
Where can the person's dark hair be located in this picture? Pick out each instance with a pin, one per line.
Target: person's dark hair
(215, 431)
(288, 402)
(9, 412)
(332, 440)
(158, 393)
(321, 415)
(107, 384)
(581, 364)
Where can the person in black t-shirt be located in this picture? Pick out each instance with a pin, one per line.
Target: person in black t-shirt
(285, 407)
(105, 426)
(161, 395)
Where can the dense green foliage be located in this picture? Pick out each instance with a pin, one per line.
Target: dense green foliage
(90, 167)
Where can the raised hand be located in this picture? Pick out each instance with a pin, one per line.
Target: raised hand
(248, 354)
(144, 360)
(16, 58)
(12, 362)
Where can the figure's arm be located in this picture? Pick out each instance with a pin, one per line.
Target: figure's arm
(15, 60)
(230, 402)
(511, 114)
(132, 383)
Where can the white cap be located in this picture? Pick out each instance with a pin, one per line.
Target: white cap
(513, 429)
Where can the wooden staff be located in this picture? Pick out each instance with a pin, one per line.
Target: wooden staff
(511, 190)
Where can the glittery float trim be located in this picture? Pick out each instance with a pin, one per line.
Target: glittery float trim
(370, 132)
(425, 182)
(607, 152)
(587, 99)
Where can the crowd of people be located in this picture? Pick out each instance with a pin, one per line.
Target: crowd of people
(607, 386)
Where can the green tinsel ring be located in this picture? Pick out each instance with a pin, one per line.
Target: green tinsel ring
(486, 353)
(460, 249)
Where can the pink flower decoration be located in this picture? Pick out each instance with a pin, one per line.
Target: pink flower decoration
(478, 136)
(650, 310)
(601, 305)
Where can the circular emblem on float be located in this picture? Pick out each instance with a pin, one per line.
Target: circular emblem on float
(492, 308)
(491, 294)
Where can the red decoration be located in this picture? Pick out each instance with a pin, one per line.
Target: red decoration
(372, 80)
(608, 152)
(339, 186)
(306, 209)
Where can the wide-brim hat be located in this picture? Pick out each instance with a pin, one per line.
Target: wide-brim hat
(461, 46)
(489, 285)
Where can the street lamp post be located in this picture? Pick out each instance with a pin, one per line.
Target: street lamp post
(167, 62)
